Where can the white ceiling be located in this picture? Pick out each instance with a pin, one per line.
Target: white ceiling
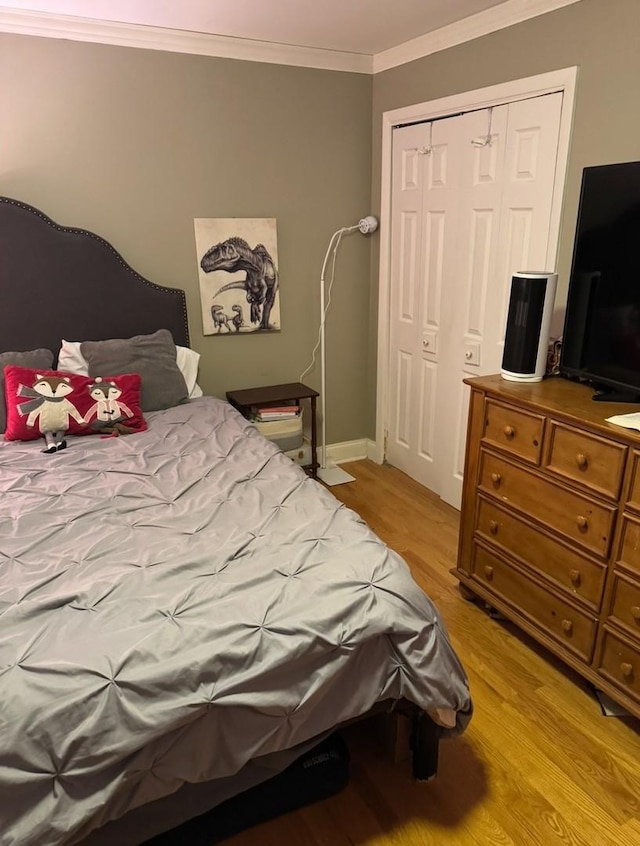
(354, 26)
(393, 30)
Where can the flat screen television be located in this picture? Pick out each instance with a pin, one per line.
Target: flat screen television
(601, 337)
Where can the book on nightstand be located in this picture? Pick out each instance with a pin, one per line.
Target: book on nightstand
(279, 412)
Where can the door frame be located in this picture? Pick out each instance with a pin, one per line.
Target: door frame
(563, 80)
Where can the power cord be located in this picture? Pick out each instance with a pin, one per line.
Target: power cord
(337, 237)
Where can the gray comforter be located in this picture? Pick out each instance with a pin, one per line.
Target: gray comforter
(178, 602)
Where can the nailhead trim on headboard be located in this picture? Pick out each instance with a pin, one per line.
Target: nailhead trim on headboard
(15, 240)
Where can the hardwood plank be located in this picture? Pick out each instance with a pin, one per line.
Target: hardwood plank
(535, 759)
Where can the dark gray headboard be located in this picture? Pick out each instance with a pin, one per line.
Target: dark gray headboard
(57, 282)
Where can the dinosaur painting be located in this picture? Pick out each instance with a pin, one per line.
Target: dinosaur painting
(260, 283)
(221, 319)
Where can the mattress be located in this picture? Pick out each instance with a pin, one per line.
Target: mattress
(179, 602)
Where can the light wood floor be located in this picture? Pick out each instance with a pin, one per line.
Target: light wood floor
(539, 764)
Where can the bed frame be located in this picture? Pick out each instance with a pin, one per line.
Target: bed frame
(58, 282)
(61, 282)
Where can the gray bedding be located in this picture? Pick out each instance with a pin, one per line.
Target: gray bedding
(178, 602)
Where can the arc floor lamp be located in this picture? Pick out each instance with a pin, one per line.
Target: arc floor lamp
(328, 472)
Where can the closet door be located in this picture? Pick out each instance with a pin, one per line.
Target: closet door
(503, 228)
(473, 272)
(471, 203)
(425, 171)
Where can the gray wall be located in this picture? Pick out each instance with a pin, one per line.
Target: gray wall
(134, 144)
(601, 37)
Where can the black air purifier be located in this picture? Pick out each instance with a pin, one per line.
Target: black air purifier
(528, 323)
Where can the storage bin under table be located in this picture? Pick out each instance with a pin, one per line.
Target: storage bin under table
(286, 433)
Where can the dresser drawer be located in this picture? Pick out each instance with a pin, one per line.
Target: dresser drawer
(573, 629)
(634, 493)
(511, 429)
(594, 462)
(629, 553)
(574, 515)
(568, 569)
(625, 603)
(620, 663)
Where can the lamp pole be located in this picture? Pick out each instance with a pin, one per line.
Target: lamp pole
(333, 475)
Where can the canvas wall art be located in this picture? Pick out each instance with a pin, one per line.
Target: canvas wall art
(238, 275)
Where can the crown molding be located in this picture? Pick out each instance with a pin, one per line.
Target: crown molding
(482, 23)
(46, 25)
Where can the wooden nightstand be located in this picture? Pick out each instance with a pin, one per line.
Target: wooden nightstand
(243, 400)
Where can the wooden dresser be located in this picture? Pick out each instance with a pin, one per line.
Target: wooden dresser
(550, 524)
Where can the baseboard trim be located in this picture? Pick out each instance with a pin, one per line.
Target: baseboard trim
(351, 451)
(347, 451)
(372, 451)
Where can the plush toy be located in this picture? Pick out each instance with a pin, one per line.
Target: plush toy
(50, 409)
(109, 412)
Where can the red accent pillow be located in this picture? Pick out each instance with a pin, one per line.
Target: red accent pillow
(79, 405)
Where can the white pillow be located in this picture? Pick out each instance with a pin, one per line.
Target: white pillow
(71, 360)
(188, 361)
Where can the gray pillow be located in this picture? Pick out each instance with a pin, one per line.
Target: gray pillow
(152, 356)
(37, 359)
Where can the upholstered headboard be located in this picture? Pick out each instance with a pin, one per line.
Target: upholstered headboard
(58, 282)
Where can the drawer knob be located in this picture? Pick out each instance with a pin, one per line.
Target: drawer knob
(582, 523)
(582, 461)
(493, 528)
(509, 432)
(575, 577)
(626, 669)
(496, 478)
(488, 571)
(635, 612)
(567, 626)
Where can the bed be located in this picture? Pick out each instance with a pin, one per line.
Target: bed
(182, 609)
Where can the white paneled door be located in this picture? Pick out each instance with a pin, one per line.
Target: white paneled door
(471, 204)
